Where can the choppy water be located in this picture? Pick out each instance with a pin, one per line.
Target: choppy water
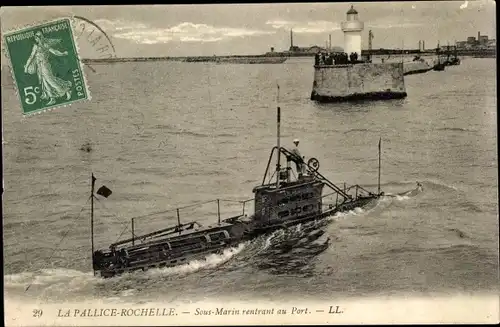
(167, 134)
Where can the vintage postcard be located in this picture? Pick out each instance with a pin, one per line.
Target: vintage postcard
(312, 163)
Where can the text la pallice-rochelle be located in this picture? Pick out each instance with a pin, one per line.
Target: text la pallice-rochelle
(144, 312)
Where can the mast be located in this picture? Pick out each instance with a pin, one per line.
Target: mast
(179, 221)
(92, 218)
(402, 50)
(370, 38)
(379, 159)
(401, 17)
(278, 139)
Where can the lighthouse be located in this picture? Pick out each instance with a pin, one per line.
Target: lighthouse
(352, 29)
(364, 80)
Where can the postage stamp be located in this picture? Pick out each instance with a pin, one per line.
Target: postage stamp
(46, 66)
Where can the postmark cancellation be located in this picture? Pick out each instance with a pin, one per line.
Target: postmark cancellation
(45, 66)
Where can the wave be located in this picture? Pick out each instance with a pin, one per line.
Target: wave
(459, 233)
(426, 184)
(468, 206)
(188, 133)
(386, 200)
(402, 198)
(209, 262)
(405, 195)
(407, 250)
(392, 183)
(291, 251)
(254, 248)
(203, 173)
(456, 129)
(45, 277)
(250, 181)
(343, 215)
(460, 248)
(439, 185)
(197, 134)
(141, 183)
(360, 130)
(74, 279)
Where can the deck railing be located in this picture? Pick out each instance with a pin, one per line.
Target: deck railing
(180, 227)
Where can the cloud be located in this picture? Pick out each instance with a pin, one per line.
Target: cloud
(320, 26)
(388, 25)
(183, 32)
(118, 25)
(477, 4)
(281, 23)
(198, 39)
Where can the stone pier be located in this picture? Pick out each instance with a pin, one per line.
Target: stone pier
(372, 81)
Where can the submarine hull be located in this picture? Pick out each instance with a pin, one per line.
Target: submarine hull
(236, 231)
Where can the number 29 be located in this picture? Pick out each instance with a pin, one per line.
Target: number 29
(37, 313)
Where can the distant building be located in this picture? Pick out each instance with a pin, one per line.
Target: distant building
(483, 40)
(313, 49)
(309, 50)
(302, 51)
(473, 43)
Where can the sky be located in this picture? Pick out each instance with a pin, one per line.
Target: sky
(196, 30)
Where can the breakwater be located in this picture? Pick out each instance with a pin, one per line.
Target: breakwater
(112, 60)
(239, 60)
(261, 59)
(416, 67)
(459, 52)
(411, 64)
(338, 83)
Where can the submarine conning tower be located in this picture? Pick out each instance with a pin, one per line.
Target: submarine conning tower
(291, 201)
(346, 76)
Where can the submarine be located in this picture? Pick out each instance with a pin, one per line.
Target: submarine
(286, 198)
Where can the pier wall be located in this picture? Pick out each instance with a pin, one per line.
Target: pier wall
(416, 67)
(336, 83)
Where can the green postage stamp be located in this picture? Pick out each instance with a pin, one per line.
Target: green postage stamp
(46, 66)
